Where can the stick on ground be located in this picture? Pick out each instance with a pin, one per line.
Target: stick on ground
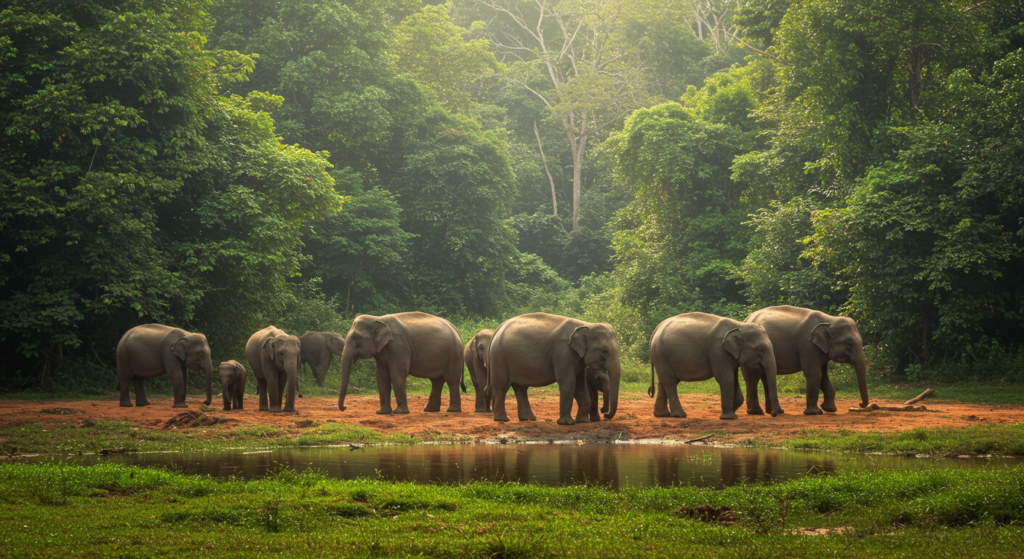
(922, 396)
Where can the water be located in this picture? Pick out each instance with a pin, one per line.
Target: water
(615, 465)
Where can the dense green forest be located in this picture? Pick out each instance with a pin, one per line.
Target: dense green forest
(221, 165)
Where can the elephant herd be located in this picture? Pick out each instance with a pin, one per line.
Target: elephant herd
(536, 349)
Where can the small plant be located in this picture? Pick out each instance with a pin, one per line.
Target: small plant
(913, 372)
(269, 515)
(762, 510)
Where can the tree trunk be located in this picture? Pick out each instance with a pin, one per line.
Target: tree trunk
(551, 180)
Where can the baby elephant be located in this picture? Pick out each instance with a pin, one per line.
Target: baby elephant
(232, 383)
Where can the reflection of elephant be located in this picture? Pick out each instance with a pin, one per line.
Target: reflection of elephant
(402, 344)
(318, 348)
(274, 357)
(476, 362)
(697, 346)
(806, 340)
(540, 349)
(232, 384)
(153, 350)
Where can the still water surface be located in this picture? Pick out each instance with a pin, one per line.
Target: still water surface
(615, 465)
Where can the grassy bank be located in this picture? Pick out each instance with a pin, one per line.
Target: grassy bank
(117, 511)
(70, 437)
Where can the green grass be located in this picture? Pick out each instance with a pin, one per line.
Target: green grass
(66, 437)
(109, 510)
(1000, 440)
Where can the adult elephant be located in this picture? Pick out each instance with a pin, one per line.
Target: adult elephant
(475, 356)
(403, 344)
(540, 349)
(318, 349)
(154, 350)
(274, 357)
(806, 340)
(698, 346)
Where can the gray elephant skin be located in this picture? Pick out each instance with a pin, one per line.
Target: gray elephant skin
(403, 344)
(598, 381)
(807, 340)
(540, 349)
(274, 357)
(698, 346)
(153, 350)
(318, 348)
(232, 384)
(475, 356)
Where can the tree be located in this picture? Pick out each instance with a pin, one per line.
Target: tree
(432, 49)
(132, 191)
(589, 79)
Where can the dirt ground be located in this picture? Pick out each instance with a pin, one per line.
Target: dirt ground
(634, 420)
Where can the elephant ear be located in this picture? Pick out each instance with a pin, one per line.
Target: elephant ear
(732, 342)
(821, 337)
(269, 340)
(381, 335)
(578, 340)
(180, 349)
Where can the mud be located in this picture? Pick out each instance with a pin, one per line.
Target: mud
(634, 421)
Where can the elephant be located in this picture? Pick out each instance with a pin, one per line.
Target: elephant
(232, 384)
(806, 340)
(403, 344)
(475, 356)
(698, 346)
(274, 356)
(153, 350)
(540, 349)
(318, 349)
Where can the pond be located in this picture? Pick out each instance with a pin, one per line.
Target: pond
(614, 465)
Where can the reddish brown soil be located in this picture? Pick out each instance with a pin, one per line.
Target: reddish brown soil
(634, 420)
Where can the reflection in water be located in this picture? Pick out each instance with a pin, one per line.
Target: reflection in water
(615, 465)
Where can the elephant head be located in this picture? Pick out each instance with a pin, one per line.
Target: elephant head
(598, 348)
(750, 346)
(194, 352)
(365, 339)
(840, 340)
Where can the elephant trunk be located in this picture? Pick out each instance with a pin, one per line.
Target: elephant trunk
(612, 395)
(208, 369)
(292, 374)
(771, 391)
(860, 364)
(347, 357)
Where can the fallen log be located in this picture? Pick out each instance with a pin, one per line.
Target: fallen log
(874, 407)
(922, 396)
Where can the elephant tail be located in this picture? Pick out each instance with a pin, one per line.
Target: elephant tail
(650, 391)
(462, 380)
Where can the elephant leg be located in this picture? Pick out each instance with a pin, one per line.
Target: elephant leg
(523, 404)
(498, 394)
(140, 391)
(176, 370)
(829, 404)
(483, 405)
(737, 394)
(661, 402)
(594, 415)
(282, 383)
(751, 377)
(812, 373)
(399, 374)
(675, 407)
(454, 380)
(434, 402)
(236, 396)
(566, 392)
(726, 385)
(228, 392)
(383, 376)
(582, 397)
(322, 365)
(261, 387)
(273, 389)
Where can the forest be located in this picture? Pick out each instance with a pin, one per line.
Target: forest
(222, 165)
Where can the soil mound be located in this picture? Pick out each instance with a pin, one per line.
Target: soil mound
(194, 419)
